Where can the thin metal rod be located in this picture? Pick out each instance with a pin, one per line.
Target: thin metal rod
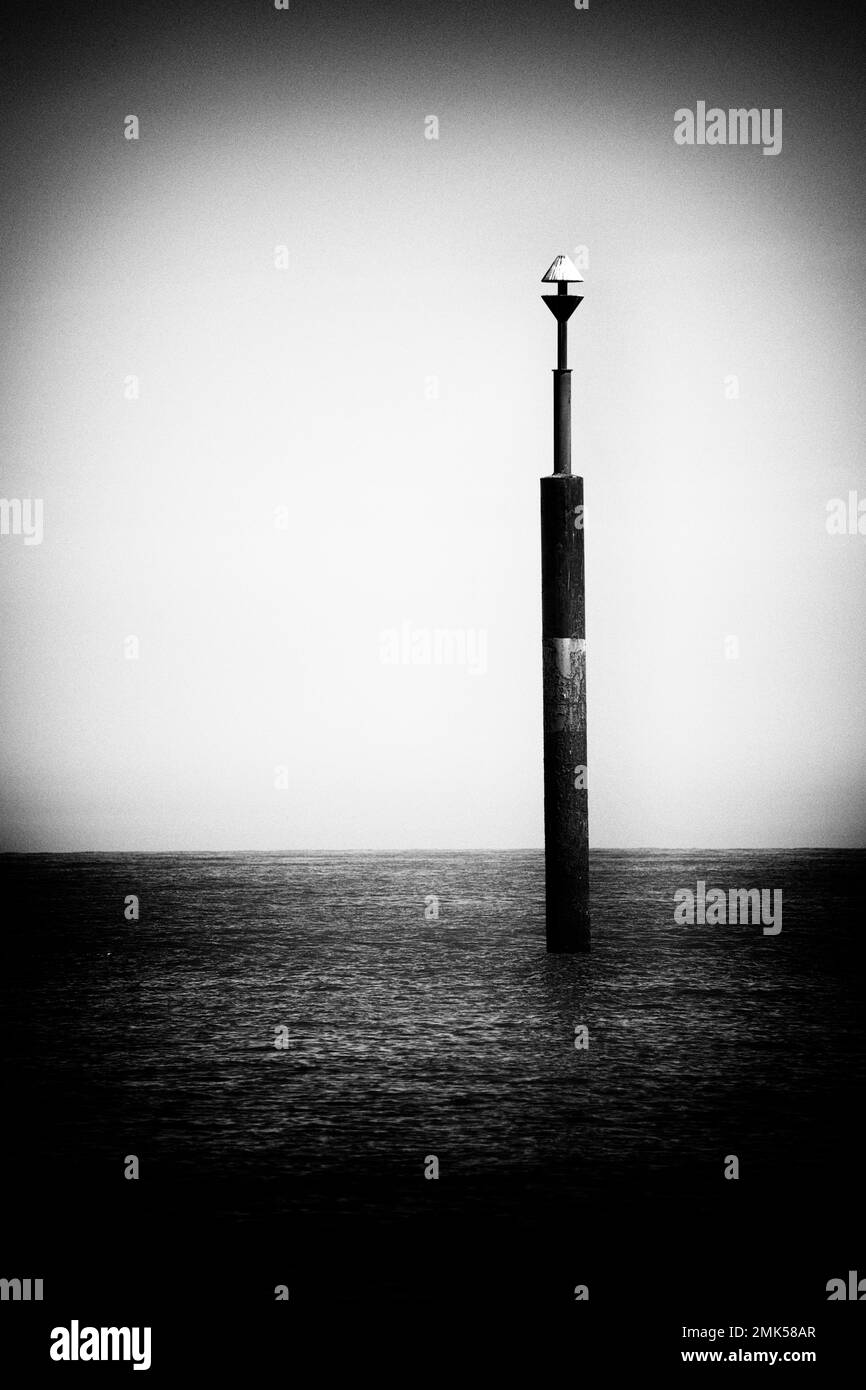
(562, 421)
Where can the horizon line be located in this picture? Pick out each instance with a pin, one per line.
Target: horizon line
(514, 849)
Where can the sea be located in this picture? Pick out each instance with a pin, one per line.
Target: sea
(301, 1050)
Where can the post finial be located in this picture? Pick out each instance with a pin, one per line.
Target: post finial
(563, 268)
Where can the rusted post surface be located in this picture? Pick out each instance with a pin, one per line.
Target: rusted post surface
(566, 810)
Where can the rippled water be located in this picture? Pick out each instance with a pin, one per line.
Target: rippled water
(409, 1037)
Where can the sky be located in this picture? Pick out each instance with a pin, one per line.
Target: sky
(278, 372)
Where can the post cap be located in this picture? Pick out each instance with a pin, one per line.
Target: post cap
(563, 268)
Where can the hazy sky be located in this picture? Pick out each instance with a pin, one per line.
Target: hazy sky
(341, 439)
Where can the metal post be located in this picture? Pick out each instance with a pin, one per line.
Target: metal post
(566, 824)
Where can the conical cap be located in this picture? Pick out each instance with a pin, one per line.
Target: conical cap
(563, 268)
